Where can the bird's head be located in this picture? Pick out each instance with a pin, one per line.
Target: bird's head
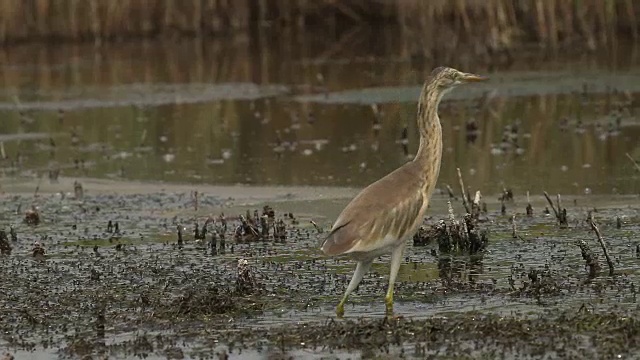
(446, 78)
(441, 81)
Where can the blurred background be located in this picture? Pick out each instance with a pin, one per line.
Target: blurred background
(320, 92)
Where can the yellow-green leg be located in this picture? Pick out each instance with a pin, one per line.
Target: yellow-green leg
(396, 259)
(361, 269)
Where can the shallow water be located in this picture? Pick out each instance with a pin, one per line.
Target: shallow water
(142, 126)
(210, 112)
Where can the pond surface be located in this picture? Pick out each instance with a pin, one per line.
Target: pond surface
(227, 112)
(301, 124)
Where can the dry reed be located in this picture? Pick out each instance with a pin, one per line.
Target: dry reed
(494, 24)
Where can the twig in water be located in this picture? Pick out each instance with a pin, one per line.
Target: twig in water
(13, 233)
(529, 207)
(475, 205)
(594, 227)
(318, 228)
(452, 216)
(635, 164)
(514, 230)
(180, 241)
(195, 200)
(35, 193)
(559, 204)
(507, 194)
(77, 190)
(464, 196)
(551, 204)
(249, 228)
(560, 213)
(3, 154)
(450, 191)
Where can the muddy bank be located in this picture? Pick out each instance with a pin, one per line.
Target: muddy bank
(238, 193)
(124, 272)
(568, 335)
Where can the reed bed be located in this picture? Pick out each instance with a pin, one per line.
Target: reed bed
(495, 24)
(499, 25)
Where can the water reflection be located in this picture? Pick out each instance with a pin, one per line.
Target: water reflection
(460, 269)
(566, 142)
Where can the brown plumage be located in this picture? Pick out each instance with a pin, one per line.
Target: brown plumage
(389, 212)
(383, 215)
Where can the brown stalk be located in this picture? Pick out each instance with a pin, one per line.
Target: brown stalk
(464, 195)
(551, 204)
(422, 22)
(594, 227)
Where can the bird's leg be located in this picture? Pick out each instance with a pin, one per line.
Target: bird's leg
(396, 259)
(361, 269)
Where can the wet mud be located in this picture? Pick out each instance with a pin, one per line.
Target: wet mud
(105, 275)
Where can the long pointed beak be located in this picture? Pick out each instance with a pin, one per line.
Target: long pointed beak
(473, 78)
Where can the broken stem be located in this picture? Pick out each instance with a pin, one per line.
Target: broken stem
(594, 227)
(551, 204)
(476, 204)
(452, 216)
(318, 228)
(450, 191)
(464, 196)
(35, 193)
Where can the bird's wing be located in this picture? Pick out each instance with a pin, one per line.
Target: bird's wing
(383, 212)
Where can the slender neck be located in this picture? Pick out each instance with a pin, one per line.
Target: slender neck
(430, 150)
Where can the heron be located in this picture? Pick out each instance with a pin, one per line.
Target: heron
(383, 216)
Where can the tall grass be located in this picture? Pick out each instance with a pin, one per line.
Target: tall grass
(498, 25)
(494, 24)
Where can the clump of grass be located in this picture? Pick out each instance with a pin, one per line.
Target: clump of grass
(458, 236)
(454, 236)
